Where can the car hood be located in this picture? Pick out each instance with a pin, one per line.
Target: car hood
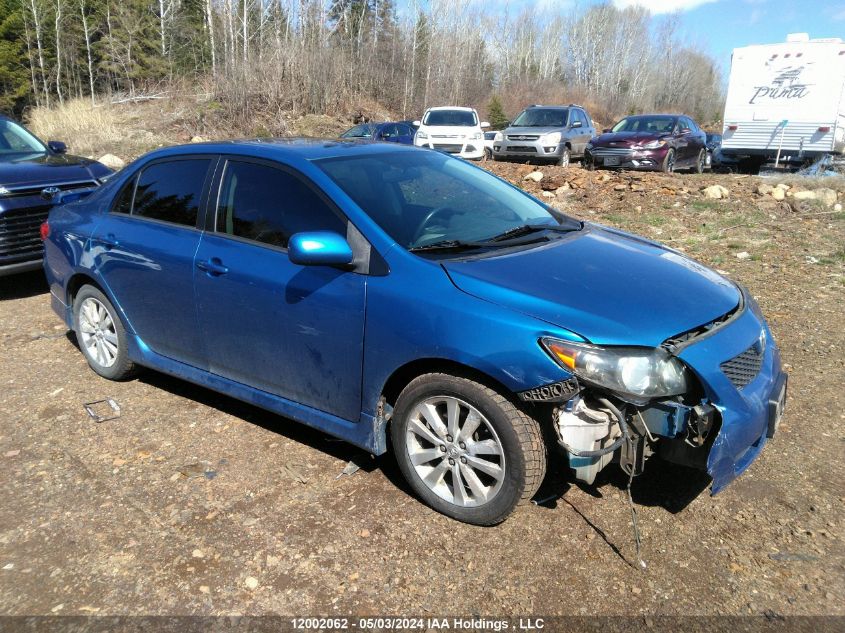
(450, 130)
(37, 169)
(627, 139)
(545, 129)
(609, 287)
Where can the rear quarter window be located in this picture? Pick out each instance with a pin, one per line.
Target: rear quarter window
(171, 191)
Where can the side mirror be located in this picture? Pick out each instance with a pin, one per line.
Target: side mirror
(416, 124)
(576, 124)
(485, 124)
(57, 147)
(319, 248)
(606, 130)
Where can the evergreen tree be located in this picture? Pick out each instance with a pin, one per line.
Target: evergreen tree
(498, 119)
(14, 65)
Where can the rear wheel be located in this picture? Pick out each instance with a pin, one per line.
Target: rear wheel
(465, 449)
(100, 334)
(701, 162)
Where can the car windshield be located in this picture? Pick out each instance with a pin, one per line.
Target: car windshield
(541, 117)
(422, 197)
(647, 124)
(14, 139)
(464, 118)
(359, 131)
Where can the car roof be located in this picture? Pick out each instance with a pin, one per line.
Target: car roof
(464, 108)
(281, 148)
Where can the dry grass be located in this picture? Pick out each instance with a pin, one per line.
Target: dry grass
(86, 129)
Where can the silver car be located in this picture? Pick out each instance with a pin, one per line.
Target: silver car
(558, 133)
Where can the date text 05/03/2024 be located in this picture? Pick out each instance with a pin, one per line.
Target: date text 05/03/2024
(425, 624)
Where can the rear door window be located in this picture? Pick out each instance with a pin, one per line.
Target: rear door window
(171, 191)
(266, 204)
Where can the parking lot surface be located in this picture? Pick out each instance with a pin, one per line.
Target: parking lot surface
(194, 503)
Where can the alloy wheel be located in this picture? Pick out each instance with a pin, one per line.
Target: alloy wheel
(98, 332)
(455, 451)
(564, 159)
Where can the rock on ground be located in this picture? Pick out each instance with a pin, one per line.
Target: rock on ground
(112, 162)
(716, 192)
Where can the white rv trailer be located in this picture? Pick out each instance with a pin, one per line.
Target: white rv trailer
(786, 101)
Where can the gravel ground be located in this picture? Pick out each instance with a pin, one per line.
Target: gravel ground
(194, 503)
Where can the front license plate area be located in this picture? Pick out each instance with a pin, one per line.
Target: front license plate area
(611, 160)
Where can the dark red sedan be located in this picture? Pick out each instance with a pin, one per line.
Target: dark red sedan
(655, 142)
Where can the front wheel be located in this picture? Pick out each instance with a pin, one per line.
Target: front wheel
(565, 157)
(668, 165)
(100, 334)
(465, 449)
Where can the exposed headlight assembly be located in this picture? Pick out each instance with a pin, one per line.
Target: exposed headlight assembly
(478, 136)
(638, 373)
(552, 138)
(421, 134)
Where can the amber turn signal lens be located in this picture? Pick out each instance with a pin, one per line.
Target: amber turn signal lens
(564, 354)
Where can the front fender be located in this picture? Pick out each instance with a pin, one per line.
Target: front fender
(421, 314)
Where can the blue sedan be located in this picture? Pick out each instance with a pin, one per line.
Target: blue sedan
(396, 297)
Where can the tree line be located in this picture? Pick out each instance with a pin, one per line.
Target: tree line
(325, 56)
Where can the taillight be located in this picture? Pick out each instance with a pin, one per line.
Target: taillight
(45, 230)
(824, 129)
(733, 128)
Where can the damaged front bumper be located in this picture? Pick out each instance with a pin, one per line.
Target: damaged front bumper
(737, 409)
(739, 368)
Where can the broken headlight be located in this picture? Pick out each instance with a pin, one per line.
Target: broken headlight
(629, 371)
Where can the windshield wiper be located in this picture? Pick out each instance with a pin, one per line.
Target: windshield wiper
(443, 245)
(525, 229)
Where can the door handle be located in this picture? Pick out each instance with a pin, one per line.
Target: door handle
(109, 241)
(213, 266)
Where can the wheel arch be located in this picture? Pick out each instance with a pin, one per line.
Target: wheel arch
(403, 375)
(76, 282)
(83, 278)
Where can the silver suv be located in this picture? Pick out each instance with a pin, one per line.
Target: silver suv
(557, 133)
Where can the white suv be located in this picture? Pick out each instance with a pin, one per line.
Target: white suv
(454, 130)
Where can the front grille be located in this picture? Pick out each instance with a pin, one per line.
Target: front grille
(610, 151)
(742, 369)
(452, 149)
(521, 148)
(35, 190)
(523, 137)
(20, 238)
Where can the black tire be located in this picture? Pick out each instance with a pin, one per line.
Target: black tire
(700, 162)
(588, 163)
(121, 366)
(668, 164)
(565, 157)
(523, 452)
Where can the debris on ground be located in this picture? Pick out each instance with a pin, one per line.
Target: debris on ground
(102, 410)
(355, 464)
